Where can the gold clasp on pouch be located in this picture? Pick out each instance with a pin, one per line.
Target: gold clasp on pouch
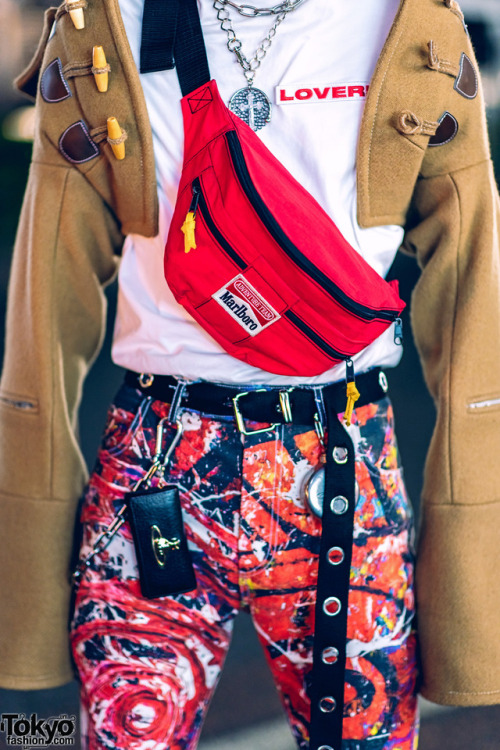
(161, 545)
(159, 465)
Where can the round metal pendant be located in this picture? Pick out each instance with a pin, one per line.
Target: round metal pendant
(315, 491)
(252, 106)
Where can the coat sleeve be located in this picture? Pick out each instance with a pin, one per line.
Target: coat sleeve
(456, 323)
(425, 163)
(77, 209)
(64, 253)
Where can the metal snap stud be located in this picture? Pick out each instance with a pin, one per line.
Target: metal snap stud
(330, 655)
(382, 380)
(339, 505)
(340, 454)
(146, 379)
(327, 704)
(325, 747)
(335, 555)
(332, 606)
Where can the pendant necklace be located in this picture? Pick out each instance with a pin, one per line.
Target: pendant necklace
(250, 104)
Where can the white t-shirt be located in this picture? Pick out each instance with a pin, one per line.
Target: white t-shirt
(315, 73)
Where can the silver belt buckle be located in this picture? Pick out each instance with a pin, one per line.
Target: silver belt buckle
(285, 406)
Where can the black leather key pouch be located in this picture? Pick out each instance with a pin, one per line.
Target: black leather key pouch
(163, 557)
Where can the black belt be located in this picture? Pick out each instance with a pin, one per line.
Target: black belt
(262, 404)
(277, 405)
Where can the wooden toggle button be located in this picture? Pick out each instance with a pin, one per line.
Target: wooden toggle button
(100, 68)
(115, 133)
(76, 15)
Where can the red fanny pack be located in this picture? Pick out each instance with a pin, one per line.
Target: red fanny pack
(257, 262)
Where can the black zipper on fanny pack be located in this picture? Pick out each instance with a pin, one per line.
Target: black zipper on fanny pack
(315, 337)
(212, 227)
(198, 202)
(285, 243)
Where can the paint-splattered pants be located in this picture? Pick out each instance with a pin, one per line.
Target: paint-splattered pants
(148, 668)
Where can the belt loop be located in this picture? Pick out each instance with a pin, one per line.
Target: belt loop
(285, 406)
(175, 404)
(319, 399)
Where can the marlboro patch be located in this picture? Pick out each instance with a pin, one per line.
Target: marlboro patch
(244, 303)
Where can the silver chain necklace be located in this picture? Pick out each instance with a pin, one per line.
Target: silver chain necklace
(251, 10)
(251, 104)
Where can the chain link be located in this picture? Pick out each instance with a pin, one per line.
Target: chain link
(250, 11)
(234, 44)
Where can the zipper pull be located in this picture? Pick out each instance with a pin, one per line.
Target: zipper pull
(189, 226)
(398, 332)
(194, 200)
(352, 392)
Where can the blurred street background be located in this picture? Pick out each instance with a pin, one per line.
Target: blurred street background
(245, 713)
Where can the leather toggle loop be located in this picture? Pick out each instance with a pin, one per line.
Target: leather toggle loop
(80, 68)
(446, 132)
(99, 135)
(434, 62)
(409, 124)
(53, 85)
(467, 82)
(77, 69)
(76, 143)
(106, 133)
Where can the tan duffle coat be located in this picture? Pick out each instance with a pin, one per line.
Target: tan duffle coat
(72, 226)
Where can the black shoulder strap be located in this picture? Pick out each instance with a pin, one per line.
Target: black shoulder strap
(172, 37)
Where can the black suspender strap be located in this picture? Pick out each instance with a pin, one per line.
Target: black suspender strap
(172, 37)
(330, 637)
(189, 51)
(159, 26)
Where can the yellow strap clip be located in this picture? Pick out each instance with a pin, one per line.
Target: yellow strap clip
(188, 228)
(352, 396)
